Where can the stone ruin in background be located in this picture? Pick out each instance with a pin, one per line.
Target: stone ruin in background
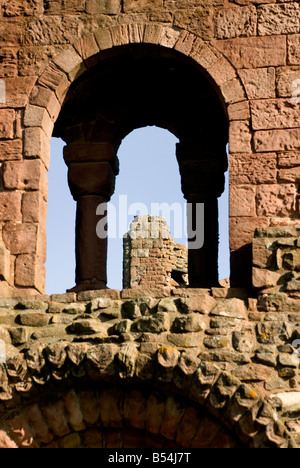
(151, 258)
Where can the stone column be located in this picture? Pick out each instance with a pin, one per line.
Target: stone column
(92, 171)
(203, 262)
(202, 178)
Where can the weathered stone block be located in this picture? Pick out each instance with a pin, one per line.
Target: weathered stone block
(270, 51)
(200, 21)
(242, 230)
(37, 422)
(289, 159)
(158, 323)
(254, 372)
(277, 140)
(172, 418)
(11, 150)
(167, 305)
(285, 78)
(110, 407)
(7, 121)
(203, 304)
(20, 238)
(20, 335)
(265, 278)
(242, 201)
(30, 270)
(233, 91)
(239, 111)
(185, 340)
(11, 33)
(21, 432)
(17, 91)
(259, 83)
(271, 332)
(34, 208)
(276, 200)
(70, 62)
(26, 175)
(236, 22)
(10, 204)
(137, 6)
(262, 253)
(277, 113)
(71, 441)
(57, 418)
(293, 49)
(38, 117)
(190, 324)
(244, 342)
(100, 360)
(278, 19)
(240, 137)
(222, 72)
(217, 342)
(290, 175)
(33, 318)
(13, 8)
(106, 7)
(289, 259)
(90, 407)
(253, 169)
(231, 308)
(87, 327)
(9, 65)
(37, 144)
(289, 360)
(168, 357)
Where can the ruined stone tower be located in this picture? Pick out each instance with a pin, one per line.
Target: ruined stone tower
(166, 366)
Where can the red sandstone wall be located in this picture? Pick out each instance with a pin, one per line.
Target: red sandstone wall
(250, 51)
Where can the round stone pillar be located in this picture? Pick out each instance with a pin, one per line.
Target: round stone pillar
(202, 178)
(92, 171)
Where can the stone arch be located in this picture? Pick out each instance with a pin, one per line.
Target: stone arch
(62, 393)
(110, 417)
(52, 86)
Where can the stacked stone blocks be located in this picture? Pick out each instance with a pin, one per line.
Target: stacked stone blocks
(151, 255)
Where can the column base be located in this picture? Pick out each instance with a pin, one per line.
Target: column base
(89, 285)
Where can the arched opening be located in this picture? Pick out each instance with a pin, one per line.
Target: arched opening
(130, 88)
(109, 417)
(147, 165)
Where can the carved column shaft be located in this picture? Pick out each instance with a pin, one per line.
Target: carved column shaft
(202, 177)
(91, 176)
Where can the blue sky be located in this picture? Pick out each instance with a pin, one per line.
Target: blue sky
(148, 174)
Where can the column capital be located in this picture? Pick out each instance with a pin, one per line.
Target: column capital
(202, 168)
(202, 179)
(93, 178)
(103, 151)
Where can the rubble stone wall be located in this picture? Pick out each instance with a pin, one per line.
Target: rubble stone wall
(215, 349)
